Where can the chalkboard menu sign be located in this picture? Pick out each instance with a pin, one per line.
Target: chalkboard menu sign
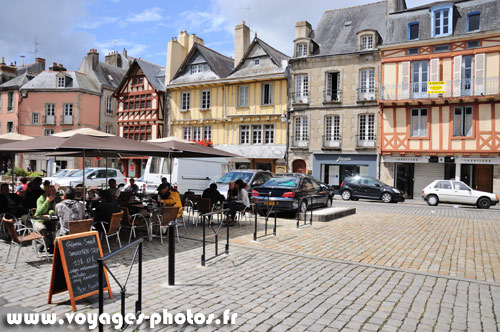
(75, 267)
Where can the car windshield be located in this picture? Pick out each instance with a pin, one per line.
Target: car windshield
(80, 172)
(62, 173)
(282, 182)
(233, 176)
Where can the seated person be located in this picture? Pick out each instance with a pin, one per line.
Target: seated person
(46, 183)
(104, 211)
(161, 189)
(68, 210)
(232, 193)
(22, 187)
(214, 195)
(240, 203)
(32, 193)
(46, 204)
(113, 189)
(10, 202)
(172, 198)
(133, 188)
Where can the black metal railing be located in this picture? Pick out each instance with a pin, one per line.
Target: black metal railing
(123, 289)
(204, 218)
(299, 214)
(271, 208)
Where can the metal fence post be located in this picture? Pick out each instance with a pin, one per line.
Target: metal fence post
(311, 221)
(138, 304)
(171, 253)
(255, 224)
(227, 238)
(203, 255)
(101, 293)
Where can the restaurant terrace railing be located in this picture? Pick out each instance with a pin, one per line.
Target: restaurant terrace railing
(452, 88)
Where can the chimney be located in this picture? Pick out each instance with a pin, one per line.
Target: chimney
(57, 67)
(114, 59)
(177, 50)
(194, 39)
(41, 62)
(93, 58)
(22, 60)
(241, 41)
(125, 53)
(303, 29)
(393, 6)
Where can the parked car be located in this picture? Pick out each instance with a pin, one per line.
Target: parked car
(94, 176)
(357, 187)
(253, 177)
(328, 187)
(292, 193)
(59, 175)
(449, 191)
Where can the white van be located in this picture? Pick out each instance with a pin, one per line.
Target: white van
(188, 174)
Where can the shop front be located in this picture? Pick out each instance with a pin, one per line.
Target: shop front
(332, 169)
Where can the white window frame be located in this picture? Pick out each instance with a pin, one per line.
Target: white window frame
(109, 128)
(269, 134)
(332, 128)
(419, 122)
(243, 95)
(67, 113)
(270, 91)
(301, 128)
(109, 105)
(10, 101)
(198, 68)
(48, 132)
(367, 80)
(33, 116)
(185, 101)
(61, 81)
(463, 122)
(196, 133)
(244, 134)
(205, 100)
(50, 111)
(367, 42)
(302, 88)
(186, 133)
(366, 127)
(256, 134)
(437, 17)
(301, 50)
(207, 133)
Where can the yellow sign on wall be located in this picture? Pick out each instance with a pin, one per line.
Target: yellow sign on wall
(436, 87)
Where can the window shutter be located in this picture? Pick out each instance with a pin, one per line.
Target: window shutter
(434, 74)
(405, 80)
(457, 76)
(479, 74)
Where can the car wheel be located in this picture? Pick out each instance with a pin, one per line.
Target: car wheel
(484, 203)
(386, 197)
(346, 195)
(432, 200)
(303, 206)
(329, 202)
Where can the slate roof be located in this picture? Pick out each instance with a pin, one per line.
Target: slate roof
(155, 74)
(397, 25)
(47, 80)
(109, 75)
(17, 82)
(335, 37)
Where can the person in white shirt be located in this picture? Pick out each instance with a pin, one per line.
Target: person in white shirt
(240, 203)
(115, 191)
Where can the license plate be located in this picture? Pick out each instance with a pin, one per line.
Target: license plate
(271, 203)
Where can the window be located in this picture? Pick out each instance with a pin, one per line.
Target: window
(441, 20)
(256, 134)
(473, 20)
(367, 83)
(48, 132)
(154, 167)
(413, 51)
(185, 101)
(186, 133)
(35, 118)
(443, 185)
(207, 133)
(268, 134)
(109, 129)
(418, 122)
(301, 129)
(68, 114)
(462, 121)
(332, 87)
(367, 127)
(367, 42)
(256, 62)
(205, 99)
(125, 106)
(473, 44)
(441, 48)
(198, 68)
(413, 30)
(460, 186)
(332, 128)
(109, 106)
(420, 76)
(196, 133)
(466, 77)
(267, 94)
(244, 134)
(61, 82)
(50, 111)
(243, 96)
(10, 127)
(301, 88)
(301, 50)
(10, 101)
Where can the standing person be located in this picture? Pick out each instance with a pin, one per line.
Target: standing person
(240, 203)
(214, 195)
(113, 189)
(133, 188)
(33, 192)
(68, 210)
(28, 168)
(173, 198)
(21, 189)
(46, 204)
(10, 202)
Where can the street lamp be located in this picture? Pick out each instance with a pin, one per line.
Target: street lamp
(285, 117)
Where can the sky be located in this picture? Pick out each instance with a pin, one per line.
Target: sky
(65, 30)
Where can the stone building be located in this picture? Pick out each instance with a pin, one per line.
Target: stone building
(333, 92)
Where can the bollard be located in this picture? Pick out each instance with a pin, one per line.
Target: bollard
(171, 253)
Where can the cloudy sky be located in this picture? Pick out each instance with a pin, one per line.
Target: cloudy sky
(66, 30)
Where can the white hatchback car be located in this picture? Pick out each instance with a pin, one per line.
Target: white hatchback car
(94, 176)
(450, 191)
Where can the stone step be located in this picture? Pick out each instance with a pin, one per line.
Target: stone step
(329, 214)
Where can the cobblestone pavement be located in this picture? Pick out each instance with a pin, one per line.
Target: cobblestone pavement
(367, 272)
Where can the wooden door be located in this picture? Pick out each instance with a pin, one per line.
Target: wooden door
(483, 177)
(299, 166)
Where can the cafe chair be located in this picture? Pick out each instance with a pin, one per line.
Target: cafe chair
(243, 214)
(204, 206)
(169, 213)
(27, 235)
(80, 226)
(190, 206)
(133, 222)
(114, 228)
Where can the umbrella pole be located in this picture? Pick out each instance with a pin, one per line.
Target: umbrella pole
(12, 168)
(83, 168)
(170, 166)
(106, 161)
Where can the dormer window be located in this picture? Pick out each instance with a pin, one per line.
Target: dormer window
(442, 20)
(413, 30)
(473, 20)
(61, 82)
(367, 42)
(301, 50)
(198, 68)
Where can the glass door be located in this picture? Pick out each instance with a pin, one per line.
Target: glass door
(420, 74)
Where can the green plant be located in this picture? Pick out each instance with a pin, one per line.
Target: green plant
(18, 172)
(36, 174)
